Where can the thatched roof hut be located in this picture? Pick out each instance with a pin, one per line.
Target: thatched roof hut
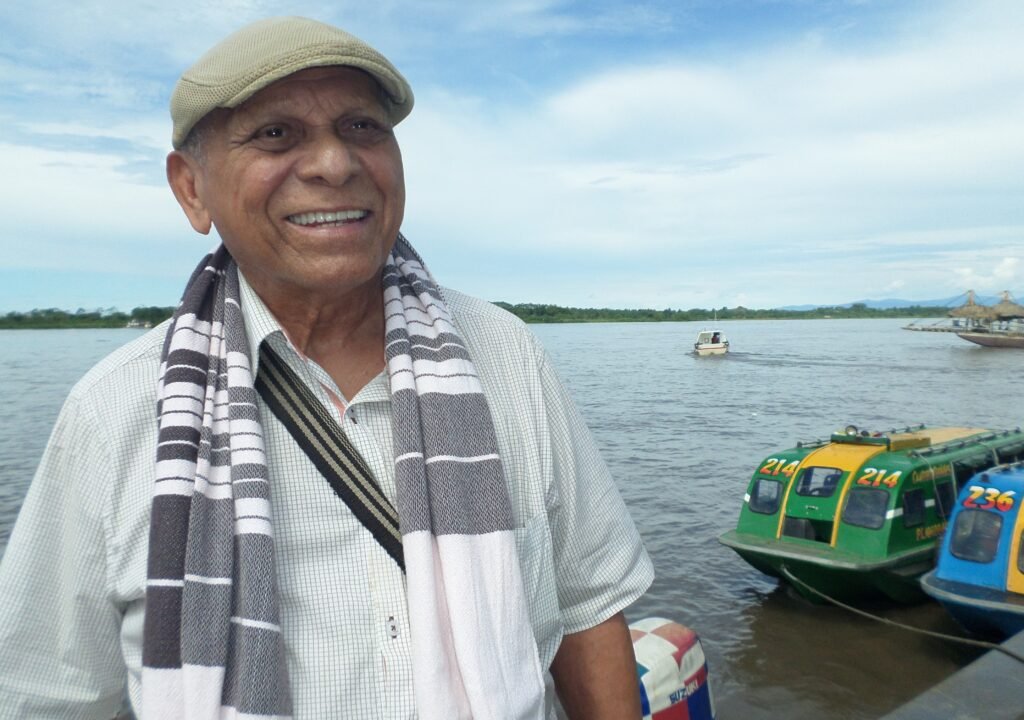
(972, 310)
(1007, 309)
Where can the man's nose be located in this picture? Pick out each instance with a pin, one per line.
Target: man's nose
(327, 158)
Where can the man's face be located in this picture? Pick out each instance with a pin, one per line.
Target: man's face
(304, 185)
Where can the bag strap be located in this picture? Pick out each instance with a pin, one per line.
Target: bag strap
(325, 444)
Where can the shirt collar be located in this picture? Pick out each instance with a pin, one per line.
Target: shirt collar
(260, 325)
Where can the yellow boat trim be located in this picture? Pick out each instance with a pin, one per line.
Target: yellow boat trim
(931, 436)
(848, 458)
(1014, 576)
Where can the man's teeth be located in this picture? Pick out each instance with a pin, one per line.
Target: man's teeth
(321, 218)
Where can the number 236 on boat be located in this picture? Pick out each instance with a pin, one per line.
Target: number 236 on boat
(859, 515)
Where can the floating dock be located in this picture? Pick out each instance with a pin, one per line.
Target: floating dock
(990, 688)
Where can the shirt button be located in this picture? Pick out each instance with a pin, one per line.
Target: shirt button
(392, 627)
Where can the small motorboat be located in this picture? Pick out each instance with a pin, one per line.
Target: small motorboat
(979, 578)
(861, 514)
(710, 342)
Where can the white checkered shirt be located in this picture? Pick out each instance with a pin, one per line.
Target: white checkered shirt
(72, 579)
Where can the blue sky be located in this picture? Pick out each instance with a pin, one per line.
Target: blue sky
(666, 154)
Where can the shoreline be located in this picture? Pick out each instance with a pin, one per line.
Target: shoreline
(531, 313)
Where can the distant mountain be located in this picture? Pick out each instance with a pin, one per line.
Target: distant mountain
(889, 303)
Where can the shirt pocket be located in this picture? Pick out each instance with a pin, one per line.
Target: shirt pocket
(536, 563)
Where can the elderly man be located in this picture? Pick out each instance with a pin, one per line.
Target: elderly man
(372, 498)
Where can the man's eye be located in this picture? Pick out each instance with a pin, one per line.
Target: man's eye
(364, 130)
(274, 137)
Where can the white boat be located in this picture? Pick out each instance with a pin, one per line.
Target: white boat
(710, 342)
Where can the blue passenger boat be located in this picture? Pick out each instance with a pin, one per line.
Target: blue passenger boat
(979, 578)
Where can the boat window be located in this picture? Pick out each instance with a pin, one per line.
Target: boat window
(945, 498)
(1010, 453)
(801, 528)
(865, 507)
(976, 535)
(766, 496)
(913, 507)
(964, 469)
(816, 481)
(1020, 553)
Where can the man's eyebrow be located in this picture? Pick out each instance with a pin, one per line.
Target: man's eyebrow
(274, 108)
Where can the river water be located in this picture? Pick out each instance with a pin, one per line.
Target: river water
(682, 435)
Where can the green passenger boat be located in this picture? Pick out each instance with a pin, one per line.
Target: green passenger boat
(860, 515)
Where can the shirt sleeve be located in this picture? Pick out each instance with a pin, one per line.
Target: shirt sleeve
(59, 630)
(600, 561)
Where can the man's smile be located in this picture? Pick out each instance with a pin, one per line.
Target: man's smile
(328, 218)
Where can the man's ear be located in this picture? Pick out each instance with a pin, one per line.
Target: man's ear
(185, 176)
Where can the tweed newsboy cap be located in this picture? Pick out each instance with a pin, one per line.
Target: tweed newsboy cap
(252, 58)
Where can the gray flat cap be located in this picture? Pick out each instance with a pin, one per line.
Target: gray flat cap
(252, 58)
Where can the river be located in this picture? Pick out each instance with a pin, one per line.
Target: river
(682, 435)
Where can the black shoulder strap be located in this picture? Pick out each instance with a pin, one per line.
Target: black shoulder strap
(325, 443)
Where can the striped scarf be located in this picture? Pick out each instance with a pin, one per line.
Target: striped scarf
(212, 642)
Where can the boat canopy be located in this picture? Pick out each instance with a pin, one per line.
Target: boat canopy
(972, 310)
(710, 336)
(1007, 308)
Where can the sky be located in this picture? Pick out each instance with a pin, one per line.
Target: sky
(592, 153)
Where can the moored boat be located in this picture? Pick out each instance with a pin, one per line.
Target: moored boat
(1000, 325)
(859, 515)
(979, 578)
(710, 342)
(995, 337)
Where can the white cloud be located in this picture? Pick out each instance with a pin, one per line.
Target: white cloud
(77, 210)
(1004, 274)
(149, 133)
(548, 18)
(800, 172)
(766, 159)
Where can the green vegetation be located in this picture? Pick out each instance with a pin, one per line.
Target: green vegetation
(533, 313)
(51, 318)
(529, 312)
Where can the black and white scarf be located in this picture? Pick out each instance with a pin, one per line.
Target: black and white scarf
(212, 644)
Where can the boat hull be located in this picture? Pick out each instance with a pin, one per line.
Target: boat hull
(981, 610)
(711, 349)
(841, 576)
(996, 339)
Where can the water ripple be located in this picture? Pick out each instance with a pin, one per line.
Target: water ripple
(682, 436)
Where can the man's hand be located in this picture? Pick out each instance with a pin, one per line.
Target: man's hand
(595, 673)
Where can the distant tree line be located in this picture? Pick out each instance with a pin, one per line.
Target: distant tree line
(536, 313)
(528, 312)
(82, 318)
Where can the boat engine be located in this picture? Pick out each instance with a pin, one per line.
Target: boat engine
(673, 671)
